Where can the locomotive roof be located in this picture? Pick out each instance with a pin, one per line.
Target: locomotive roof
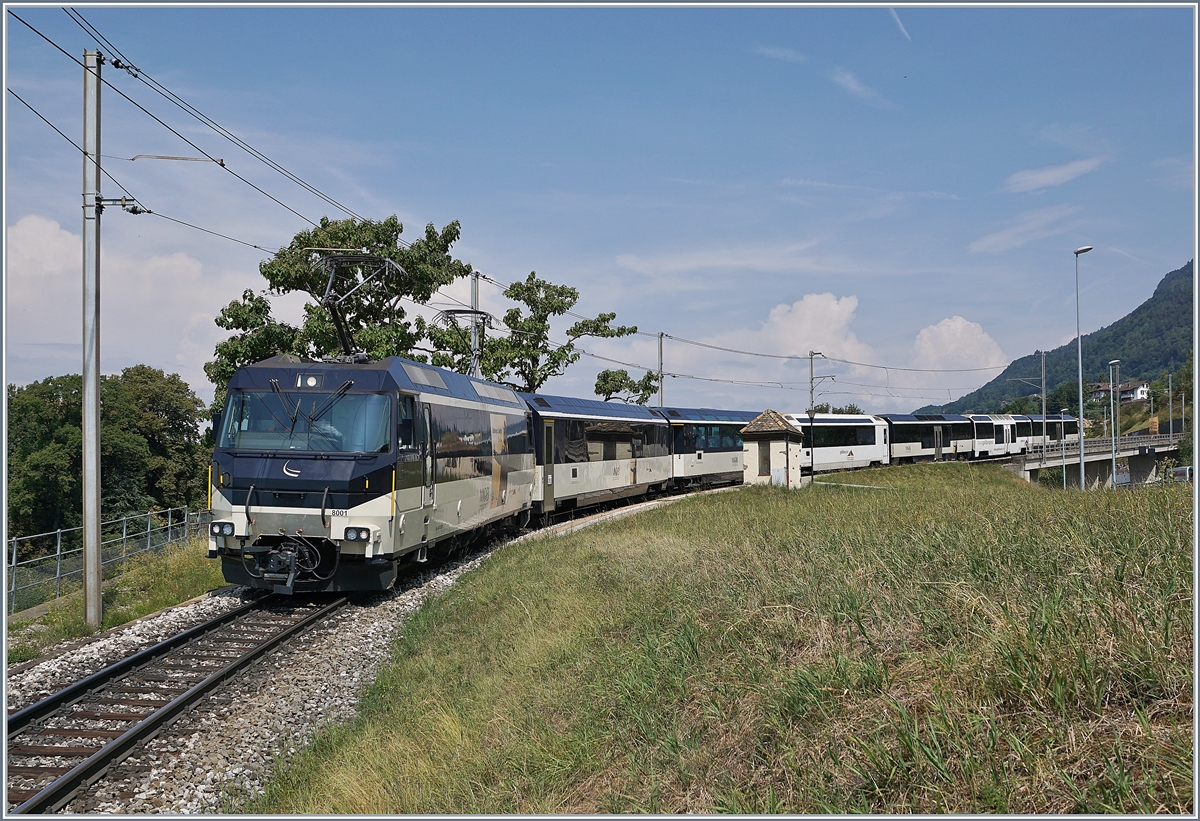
(707, 415)
(546, 405)
(392, 373)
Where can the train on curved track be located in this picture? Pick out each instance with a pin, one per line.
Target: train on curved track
(331, 475)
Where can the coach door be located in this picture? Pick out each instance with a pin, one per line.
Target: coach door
(548, 466)
(937, 443)
(427, 471)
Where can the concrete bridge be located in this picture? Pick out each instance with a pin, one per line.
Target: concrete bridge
(1144, 453)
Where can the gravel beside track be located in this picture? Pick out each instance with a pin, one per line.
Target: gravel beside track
(217, 757)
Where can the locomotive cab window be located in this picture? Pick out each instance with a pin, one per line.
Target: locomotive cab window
(327, 421)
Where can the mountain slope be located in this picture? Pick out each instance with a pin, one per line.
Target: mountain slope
(1154, 338)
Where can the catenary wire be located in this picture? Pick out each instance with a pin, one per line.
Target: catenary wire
(160, 122)
(126, 190)
(249, 149)
(203, 118)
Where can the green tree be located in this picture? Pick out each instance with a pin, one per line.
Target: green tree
(374, 319)
(150, 454)
(1024, 405)
(620, 385)
(526, 358)
(848, 408)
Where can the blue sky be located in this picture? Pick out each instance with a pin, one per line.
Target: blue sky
(890, 188)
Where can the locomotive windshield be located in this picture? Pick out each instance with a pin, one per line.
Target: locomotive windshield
(331, 421)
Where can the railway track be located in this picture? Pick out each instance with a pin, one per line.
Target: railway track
(67, 741)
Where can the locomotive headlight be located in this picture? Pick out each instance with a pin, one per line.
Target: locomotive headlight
(221, 528)
(358, 534)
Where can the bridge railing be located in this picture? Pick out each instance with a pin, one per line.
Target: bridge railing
(38, 566)
(1125, 444)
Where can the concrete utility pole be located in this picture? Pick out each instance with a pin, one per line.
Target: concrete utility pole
(1113, 415)
(474, 324)
(1079, 349)
(660, 375)
(92, 207)
(1043, 353)
(1170, 407)
(1117, 418)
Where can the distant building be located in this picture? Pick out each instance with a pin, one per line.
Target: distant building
(1135, 391)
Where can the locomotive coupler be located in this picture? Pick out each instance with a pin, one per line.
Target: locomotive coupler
(279, 566)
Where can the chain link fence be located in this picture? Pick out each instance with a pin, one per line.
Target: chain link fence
(40, 567)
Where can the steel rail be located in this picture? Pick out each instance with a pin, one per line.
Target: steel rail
(57, 794)
(73, 692)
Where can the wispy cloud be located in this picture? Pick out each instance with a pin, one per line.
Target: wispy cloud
(1035, 179)
(778, 53)
(1176, 172)
(855, 86)
(1027, 227)
(934, 195)
(896, 17)
(768, 259)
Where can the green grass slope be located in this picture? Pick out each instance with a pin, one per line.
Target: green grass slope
(956, 642)
(1154, 338)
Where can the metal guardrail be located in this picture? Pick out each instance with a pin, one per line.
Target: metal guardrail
(1104, 445)
(57, 556)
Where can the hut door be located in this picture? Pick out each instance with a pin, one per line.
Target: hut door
(937, 443)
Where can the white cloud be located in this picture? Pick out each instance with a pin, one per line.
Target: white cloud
(903, 31)
(851, 83)
(956, 343)
(1027, 227)
(156, 309)
(777, 53)
(1035, 179)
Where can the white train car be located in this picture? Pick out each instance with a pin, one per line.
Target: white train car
(706, 445)
(838, 441)
(928, 437)
(590, 452)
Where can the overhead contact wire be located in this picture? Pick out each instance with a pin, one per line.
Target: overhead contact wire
(160, 122)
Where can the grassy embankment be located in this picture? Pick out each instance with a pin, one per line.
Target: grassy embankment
(153, 581)
(963, 642)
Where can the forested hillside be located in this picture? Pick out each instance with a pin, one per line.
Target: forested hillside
(150, 448)
(1155, 338)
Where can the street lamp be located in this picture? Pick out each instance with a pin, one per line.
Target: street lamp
(1113, 416)
(1079, 350)
(1062, 442)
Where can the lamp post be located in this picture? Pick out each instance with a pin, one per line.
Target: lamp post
(1112, 415)
(1079, 351)
(1062, 442)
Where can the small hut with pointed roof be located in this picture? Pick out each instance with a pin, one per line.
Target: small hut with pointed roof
(772, 449)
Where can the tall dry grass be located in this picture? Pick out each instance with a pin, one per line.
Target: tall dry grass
(961, 642)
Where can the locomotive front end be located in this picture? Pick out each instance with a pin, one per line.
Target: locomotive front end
(306, 471)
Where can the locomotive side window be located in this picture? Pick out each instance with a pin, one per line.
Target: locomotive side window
(405, 429)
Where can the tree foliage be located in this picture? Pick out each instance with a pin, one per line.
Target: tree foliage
(527, 357)
(824, 407)
(375, 319)
(150, 451)
(620, 385)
